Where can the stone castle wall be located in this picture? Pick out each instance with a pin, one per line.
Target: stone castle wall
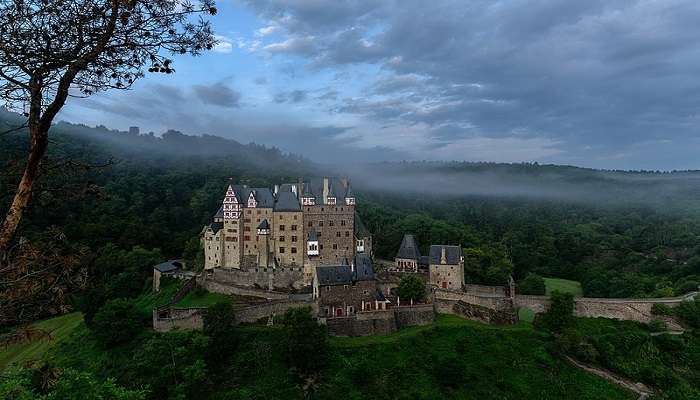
(229, 289)
(271, 309)
(166, 319)
(381, 322)
(286, 278)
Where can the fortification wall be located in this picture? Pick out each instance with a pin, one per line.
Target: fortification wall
(494, 302)
(288, 278)
(274, 308)
(381, 322)
(167, 319)
(226, 288)
(422, 314)
(485, 290)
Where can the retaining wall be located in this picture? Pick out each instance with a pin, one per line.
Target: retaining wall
(178, 318)
(291, 278)
(227, 288)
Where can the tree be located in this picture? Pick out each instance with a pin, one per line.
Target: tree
(306, 344)
(118, 321)
(411, 287)
(560, 314)
(50, 50)
(219, 325)
(533, 284)
(689, 313)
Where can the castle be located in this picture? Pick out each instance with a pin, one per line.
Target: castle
(293, 226)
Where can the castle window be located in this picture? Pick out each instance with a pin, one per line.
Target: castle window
(342, 223)
(347, 233)
(295, 217)
(281, 250)
(330, 223)
(337, 234)
(246, 229)
(320, 247)
(246, 238)
(294, 250)
(247, 220)
(320, 224)
(335, 246)
(281, 227)
(294, 227)
(311, 224)
(281, 238)
(259, 212)
(294, 238)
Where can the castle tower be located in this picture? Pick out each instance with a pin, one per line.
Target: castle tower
(264, 251)
(232, 235)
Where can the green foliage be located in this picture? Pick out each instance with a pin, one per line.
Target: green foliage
(560, 314)
(172, 365)
(118, 321)
(669, 363)
(219, 325)
(71, 384)
(661, 309)
(306, 343)
(487, 264)
(657, 325)
(689, 313)
(533, 284)
(411, 287)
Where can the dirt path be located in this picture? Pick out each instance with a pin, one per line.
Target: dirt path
(640, 389)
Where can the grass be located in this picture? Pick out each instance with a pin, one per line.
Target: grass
(564, 286)
(201, 298)
(59, 327)
(526, 315)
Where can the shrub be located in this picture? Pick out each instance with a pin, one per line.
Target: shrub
(118, 321)
(689, 313)
(411, 287)
(661, 309)
(657, 325)
(560, 314)
(533, 284)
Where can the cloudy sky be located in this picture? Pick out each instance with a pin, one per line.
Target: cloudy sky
(610, 84)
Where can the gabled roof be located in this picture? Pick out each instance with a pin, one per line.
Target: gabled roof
(220, 213)
(216, 226)
(169, 266)
(329, 275)
(264, 224)
(264, 197)
(287, 201)
(453, 254)
(364, 271)
(409, 248)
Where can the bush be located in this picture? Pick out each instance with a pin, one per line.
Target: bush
(560, 314)
(306, 344)
(533, 284)
(689, 313)
(411, 287)
(661, 309)
(118, 321)
(657, 325)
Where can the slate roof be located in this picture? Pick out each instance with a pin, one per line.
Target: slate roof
(329, 275)
(314, 187)
(220, 213)
(453, 254)
(169, 266)
(264, 224)
(364, 271)
(409, 248)
(216, 226)
(264, 197)
(287, 201)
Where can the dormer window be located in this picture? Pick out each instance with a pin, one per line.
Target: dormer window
(252, 202)
(350, 201)
(308, 201)
(331, 201)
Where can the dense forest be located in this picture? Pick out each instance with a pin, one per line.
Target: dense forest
(118, 202)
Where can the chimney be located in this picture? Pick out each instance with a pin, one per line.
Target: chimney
(443, 257)
(326, 189)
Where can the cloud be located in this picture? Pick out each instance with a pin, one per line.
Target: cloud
(604, 75)
(266, 31)
(294, 96)
(217, 94)
(223, 45)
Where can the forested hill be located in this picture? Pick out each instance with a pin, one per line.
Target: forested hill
(141, 197)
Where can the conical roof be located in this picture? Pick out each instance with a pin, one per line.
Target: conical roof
(409, 248)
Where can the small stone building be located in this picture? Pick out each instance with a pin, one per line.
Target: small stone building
(344, 290)
(446, 267)
(408, 256)
(168, 268)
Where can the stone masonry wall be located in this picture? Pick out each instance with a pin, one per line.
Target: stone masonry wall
(274, 308)
(178, 318)
(216, 287)
(279, 278)
(381, 322)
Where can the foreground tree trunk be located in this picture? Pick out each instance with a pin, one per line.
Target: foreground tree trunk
(39, 144)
